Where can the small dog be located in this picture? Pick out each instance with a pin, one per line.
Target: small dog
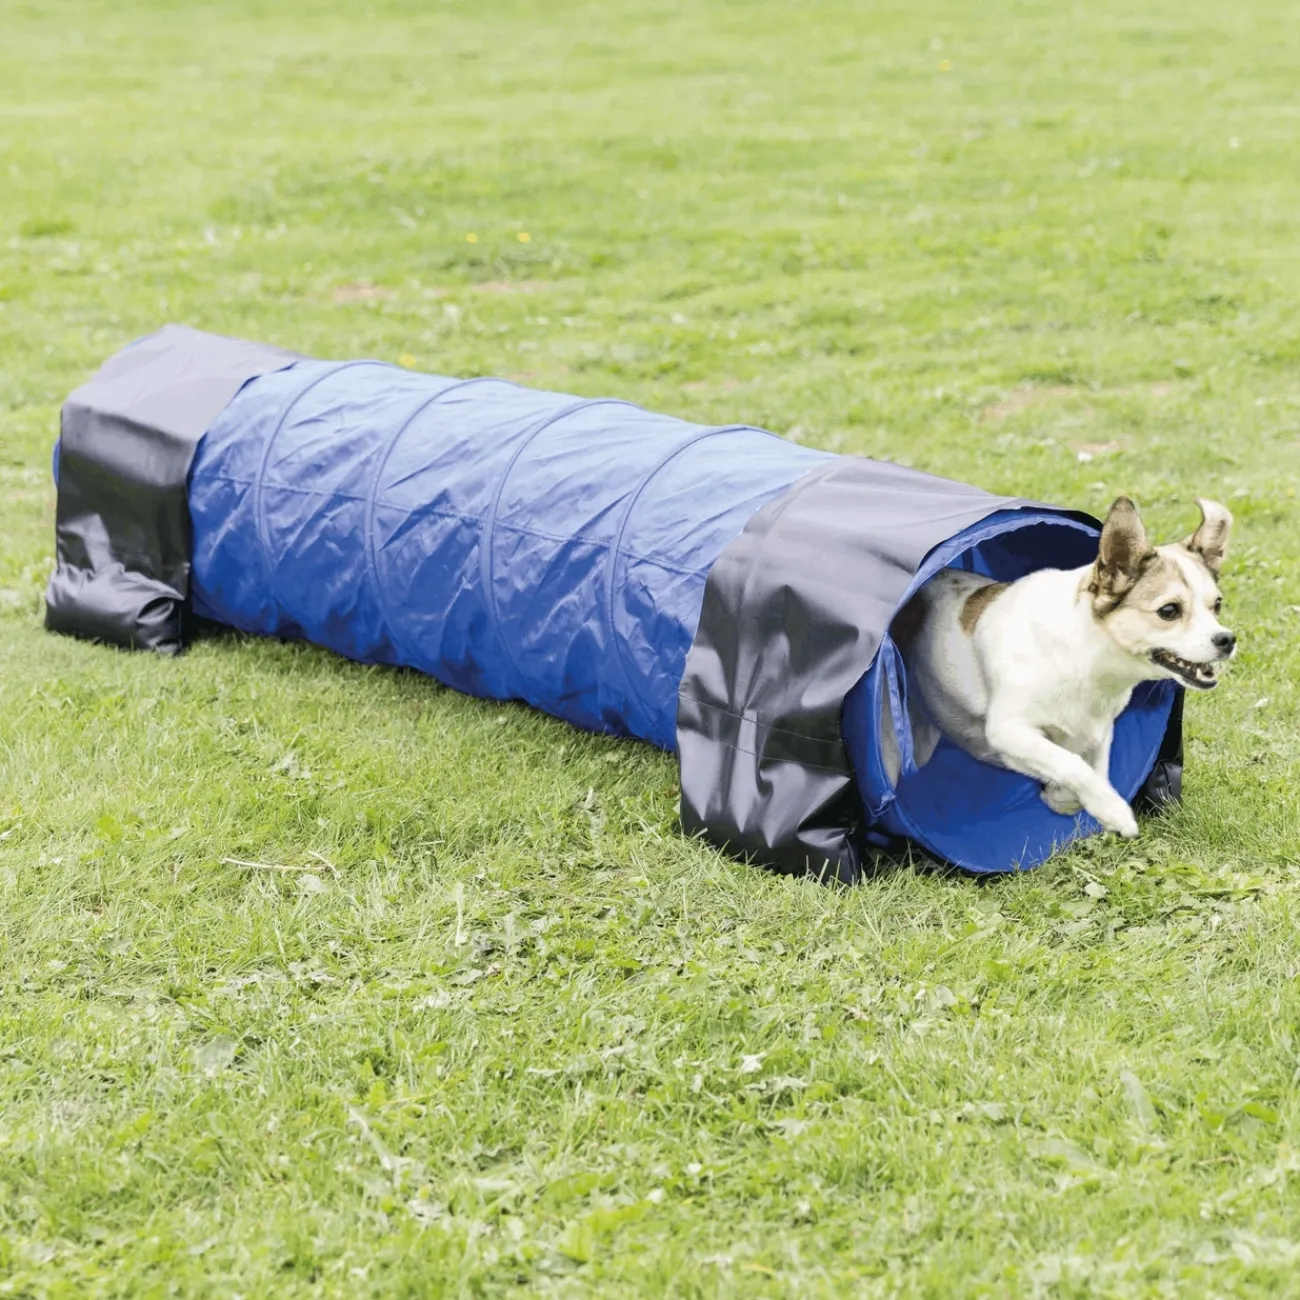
(1031, 675)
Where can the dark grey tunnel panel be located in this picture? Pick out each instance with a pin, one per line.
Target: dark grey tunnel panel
(794, 612)
(126, 443)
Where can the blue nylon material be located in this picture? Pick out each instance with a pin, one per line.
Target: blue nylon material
(511, 543)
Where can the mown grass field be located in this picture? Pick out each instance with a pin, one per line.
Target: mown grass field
(520, 1036)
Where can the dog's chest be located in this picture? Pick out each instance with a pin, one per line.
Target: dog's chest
(1077, 712)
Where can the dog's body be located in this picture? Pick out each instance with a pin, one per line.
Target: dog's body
(1032, 675)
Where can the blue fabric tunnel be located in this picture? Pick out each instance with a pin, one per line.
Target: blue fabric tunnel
(715, 591)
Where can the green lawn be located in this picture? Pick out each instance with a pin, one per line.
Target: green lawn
(520, 1036)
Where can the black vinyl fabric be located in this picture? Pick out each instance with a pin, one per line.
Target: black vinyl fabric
(122, 523)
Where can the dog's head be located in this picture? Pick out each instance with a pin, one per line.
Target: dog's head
(1161, 604)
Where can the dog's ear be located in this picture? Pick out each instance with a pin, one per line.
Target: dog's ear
(1122, 554)
(1210, 540)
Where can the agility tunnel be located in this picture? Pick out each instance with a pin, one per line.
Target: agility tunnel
(716, 591)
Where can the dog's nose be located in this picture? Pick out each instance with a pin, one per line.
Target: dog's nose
(1224, 641)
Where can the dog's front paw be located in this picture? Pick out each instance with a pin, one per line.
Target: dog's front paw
(1115, 815)
(1061, 799)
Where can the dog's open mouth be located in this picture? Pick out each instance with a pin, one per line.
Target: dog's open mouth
(1201, 677)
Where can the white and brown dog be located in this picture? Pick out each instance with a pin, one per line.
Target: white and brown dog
(1031, 675)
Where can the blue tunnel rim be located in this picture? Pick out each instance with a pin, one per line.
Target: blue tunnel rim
(881, 677)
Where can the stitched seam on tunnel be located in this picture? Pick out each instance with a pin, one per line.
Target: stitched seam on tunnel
(258, 518)
(368, 534)
(490, 518)
(621, 656)
(431, 512)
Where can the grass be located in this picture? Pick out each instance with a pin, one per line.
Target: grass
(519, 1035)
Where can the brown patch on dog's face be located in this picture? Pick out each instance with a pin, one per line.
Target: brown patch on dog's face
(977, 602)
(1167, 614)
(1122, 554)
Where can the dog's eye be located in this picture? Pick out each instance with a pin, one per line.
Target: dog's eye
(1170, 611)
(1218, 605)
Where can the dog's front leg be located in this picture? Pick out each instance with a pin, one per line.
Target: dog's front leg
(1025, 749)
(1061, 799)
(1100, 755)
